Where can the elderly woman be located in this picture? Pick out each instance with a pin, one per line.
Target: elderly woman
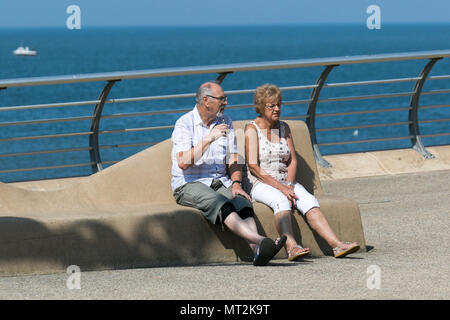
(272, 165)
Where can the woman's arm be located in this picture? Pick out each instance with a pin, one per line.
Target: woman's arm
(292, 163)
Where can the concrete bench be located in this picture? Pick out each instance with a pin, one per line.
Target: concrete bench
(125, 217)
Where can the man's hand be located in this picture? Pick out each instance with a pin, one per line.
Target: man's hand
(220, 130)
(236, 189)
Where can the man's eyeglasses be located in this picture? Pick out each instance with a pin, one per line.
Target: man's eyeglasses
(272, 106)
(221, 99)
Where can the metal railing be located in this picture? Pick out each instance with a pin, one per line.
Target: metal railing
(311, 116)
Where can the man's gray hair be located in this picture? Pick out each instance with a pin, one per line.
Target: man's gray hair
(204, 90)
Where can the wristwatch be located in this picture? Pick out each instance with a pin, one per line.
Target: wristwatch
(289, 184)
(236, 181)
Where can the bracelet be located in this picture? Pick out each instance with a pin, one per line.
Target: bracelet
(289, 184)
(236, 181)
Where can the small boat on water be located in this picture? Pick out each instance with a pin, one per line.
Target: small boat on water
(21, 51)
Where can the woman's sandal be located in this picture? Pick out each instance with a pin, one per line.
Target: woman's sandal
(296, 252)
(345, 249)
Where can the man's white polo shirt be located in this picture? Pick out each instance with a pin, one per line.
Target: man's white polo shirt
(189, 131)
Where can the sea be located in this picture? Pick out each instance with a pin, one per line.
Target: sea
(95, 50)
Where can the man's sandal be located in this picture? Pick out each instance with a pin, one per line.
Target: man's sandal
(265, 252)
(279, 245)
(296, 252)
(345, 249)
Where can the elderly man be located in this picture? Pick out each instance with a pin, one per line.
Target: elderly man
(204, 147)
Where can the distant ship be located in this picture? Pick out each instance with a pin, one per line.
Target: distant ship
(21, 51)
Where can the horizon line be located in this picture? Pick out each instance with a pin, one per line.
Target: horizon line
(63, 26)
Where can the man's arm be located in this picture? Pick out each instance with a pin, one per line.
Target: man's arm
(235, 169)
(187, 158)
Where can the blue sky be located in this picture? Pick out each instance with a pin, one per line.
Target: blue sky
(44, 13)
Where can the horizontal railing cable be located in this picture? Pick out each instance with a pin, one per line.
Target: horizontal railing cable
(366, 126)
(190, 95)
(34, 153)
(49, 136)
(363, 141)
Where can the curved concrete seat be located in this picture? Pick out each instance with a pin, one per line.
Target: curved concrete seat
(125, 216)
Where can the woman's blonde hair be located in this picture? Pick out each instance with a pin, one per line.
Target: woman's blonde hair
(266, 93)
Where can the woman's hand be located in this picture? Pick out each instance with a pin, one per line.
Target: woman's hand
(288, 191)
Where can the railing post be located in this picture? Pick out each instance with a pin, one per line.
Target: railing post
(311, 119)
(222, 76)
(413, 111)
(94, 151)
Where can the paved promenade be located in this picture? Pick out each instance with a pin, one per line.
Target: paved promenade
(406, 220)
